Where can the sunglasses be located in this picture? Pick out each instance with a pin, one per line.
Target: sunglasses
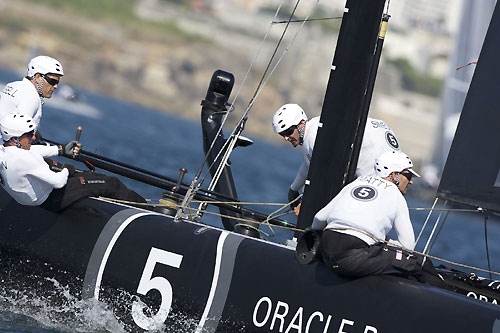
(408, 175)
(289, 131)
(50, 80)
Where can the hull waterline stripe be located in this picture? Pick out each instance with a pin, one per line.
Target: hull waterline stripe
(227, 247)
(102, 248)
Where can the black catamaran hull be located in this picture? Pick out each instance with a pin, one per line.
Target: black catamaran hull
(219, 280)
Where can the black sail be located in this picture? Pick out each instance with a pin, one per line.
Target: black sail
(343, 105)
(471, 174)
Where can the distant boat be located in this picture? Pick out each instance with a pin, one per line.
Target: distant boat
(69, 101)
(65, 98)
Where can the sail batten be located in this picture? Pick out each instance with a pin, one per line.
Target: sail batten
(471, 174)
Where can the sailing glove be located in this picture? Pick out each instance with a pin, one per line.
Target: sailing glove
(67, 149)
(292, 195)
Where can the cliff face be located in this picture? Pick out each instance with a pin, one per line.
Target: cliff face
(169, 71)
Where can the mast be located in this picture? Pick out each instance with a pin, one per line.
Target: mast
(351, 174)
(342, 107)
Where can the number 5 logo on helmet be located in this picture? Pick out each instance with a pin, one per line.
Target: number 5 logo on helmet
(364, 193)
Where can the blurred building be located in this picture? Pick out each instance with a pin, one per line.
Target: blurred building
(476, 16)
(438, 16)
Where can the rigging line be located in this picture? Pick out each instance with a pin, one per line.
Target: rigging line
(247, 74)
(276, 50)
(256, 229)
(246, 220)
(486, 241)
(298, 229)
(227, 202)
(387, 7)
(240, 122)
(272, 216)
(432, 233)
(425, 255)
(263, 82)
(218, 172)
(478, 210)
(470, 63)
(275, 214)
(193, 188)
(426, 220)
(439, 231)
(308, 20)
(175, 206)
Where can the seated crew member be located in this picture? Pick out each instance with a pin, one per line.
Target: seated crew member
(362, 214)
(290, 121)
(28, 179)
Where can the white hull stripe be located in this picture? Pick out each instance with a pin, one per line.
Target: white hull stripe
(227, 247)
(102, 248)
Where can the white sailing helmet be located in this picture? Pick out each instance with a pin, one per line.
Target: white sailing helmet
(393, 161)
(288, 115)
(15, 125)
(44, 65)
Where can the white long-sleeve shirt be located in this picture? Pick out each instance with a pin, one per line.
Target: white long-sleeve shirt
(368, 205)
(377, 139)
(310, 132)
(26, 176)
(21, 97)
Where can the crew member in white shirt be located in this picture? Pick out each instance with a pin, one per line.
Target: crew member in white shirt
(290, 121)
(24, 173)
(358, 219)
(27, 96)
(28, 179)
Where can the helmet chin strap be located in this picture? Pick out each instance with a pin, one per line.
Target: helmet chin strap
(395, 180)
(16, 143)
(301, 133)
(39, 88)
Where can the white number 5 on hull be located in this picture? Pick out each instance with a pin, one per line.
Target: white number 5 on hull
(147, 283)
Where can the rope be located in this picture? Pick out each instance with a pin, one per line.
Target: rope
(432, 232)
(190, 209)
(197, 181)
(478, 210)
(486, 241)
(247, 220)
(426, 220)
(426, 255)
(228, 146)
(265, 78)
(276, 211)
(308, 20)
(439, 231)
(388, 4)
(266, 222)
(231, 107)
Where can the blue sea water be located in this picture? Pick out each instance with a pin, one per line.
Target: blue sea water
(163, 143)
